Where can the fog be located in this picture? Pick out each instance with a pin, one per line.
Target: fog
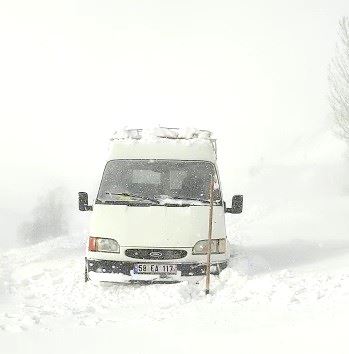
(72, 72)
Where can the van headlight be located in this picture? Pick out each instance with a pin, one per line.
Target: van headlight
(98, 244)
(217, 246)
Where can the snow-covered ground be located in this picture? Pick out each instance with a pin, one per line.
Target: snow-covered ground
(276, 296)
(286, 289)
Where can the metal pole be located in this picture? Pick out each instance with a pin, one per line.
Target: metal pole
(208, 263)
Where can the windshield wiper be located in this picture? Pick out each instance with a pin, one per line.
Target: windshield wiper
(124, 194)
(188, 198)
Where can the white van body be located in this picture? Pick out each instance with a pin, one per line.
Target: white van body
(131, 239)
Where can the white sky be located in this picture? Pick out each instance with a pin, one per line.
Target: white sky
(71, 72)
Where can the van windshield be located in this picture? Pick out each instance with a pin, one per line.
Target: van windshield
(158, 182)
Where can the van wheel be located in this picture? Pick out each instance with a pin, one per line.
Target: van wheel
(86, 276)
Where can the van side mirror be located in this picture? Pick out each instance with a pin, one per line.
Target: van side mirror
(83, 202)
(236, 205)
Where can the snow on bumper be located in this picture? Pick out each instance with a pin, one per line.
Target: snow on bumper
(118, 271)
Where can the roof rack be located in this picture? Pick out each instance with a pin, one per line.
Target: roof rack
(166, 133)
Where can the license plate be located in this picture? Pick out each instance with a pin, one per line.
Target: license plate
(148, 268)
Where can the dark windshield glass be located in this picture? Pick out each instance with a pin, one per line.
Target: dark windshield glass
(168, 181)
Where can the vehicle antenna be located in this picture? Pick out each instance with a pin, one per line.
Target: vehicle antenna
(208, 264)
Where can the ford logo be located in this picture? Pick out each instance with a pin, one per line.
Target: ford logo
(155, 254)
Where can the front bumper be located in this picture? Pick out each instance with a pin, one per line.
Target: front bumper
(121, 271)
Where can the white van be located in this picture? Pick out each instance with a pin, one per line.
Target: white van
(150, 219)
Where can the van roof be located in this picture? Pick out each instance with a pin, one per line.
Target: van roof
(163, 143)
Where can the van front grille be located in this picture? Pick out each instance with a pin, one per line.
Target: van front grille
(140, 253)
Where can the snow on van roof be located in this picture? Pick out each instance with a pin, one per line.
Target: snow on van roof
(174, 143)
(162, 132)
